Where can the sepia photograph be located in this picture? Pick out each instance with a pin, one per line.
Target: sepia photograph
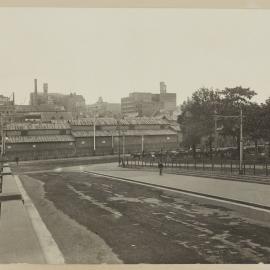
(134, 135)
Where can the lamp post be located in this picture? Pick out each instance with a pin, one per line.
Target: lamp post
(241, 135)
(118, 127)
(123, 159)
(241, 143)
(94, 129)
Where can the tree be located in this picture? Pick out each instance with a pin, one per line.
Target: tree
(232, 101)
(197, 118)
(253, 123)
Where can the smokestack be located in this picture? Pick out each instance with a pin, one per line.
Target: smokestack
(45, 88)
(163, 88)
(35, 86)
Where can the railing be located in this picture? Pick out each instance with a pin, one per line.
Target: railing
(222, 165)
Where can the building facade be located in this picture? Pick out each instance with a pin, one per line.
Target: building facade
(38, 141)
(147, 104)
(71, 103)
(103, 109)
(88, 137)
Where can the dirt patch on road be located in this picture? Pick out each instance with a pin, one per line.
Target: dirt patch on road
(78, 244)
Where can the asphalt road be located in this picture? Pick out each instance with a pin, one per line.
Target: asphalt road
(99, 220)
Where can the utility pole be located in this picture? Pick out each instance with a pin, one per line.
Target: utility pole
(216, 135)
(241, 148)
(118, 127)
(241, 143)
(2, 136)
(123, 149)
(94, 127)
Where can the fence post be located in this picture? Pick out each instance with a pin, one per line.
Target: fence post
(231, 166)
(203, 164)
(266, 169)
(187, 163)
(254, 168)
(244, 168)
(212, 164)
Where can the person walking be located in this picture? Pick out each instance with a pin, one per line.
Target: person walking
(160, 166)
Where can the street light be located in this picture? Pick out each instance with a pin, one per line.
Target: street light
(241, 135)
(118, 127)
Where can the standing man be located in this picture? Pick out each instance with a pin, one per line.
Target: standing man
(160, 166)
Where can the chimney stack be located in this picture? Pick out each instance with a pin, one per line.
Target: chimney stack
(45, 88)
(163, 88)
(35, 86)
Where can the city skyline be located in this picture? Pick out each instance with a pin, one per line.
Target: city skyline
(112, 52)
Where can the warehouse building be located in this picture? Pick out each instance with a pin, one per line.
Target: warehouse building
(87, 137)
(38, 141)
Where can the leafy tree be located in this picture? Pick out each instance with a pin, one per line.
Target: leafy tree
(232, 101)
(197, 118)
(254, 123)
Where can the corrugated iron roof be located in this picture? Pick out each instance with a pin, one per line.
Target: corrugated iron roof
(40, 139)
(36, 126)
(105, 133)
(114, 122)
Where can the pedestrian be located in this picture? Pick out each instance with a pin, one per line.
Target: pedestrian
(17, 160)
(160, 166)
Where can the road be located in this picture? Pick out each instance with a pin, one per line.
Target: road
(100, 220)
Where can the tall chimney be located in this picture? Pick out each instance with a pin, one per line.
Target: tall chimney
(35, 86)
(45, 88)
(163, 88)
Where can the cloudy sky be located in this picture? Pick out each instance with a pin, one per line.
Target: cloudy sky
(111, 52)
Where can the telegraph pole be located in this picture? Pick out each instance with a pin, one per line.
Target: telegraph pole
(94, 127)
(123, 149)
(119, 149)
(241, 148)
(241, 143)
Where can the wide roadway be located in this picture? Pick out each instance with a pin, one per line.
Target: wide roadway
(101, 220)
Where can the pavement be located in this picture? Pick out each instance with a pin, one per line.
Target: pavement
(23, 236)
(250, 193)
(19, 242)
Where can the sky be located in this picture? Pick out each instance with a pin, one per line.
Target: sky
(112, 52)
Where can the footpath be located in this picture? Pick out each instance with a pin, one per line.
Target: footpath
(23, 238)
(255, 196)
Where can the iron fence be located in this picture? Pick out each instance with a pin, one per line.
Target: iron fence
(225, 166)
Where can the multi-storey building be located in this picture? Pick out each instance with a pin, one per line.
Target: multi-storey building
(147, 104)
(104, 109)
(71, 103)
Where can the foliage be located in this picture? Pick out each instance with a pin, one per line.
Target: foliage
(197, 119)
